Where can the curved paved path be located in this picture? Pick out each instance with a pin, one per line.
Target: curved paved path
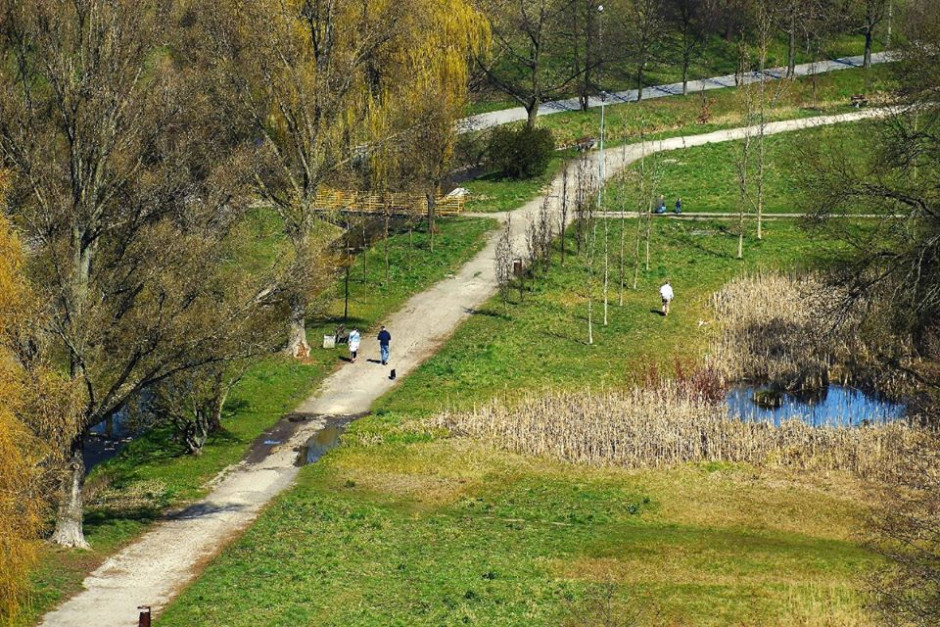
(517, 114)
(153, 570)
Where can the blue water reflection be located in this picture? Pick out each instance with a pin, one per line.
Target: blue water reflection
(833, 406)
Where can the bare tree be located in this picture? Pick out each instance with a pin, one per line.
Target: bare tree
(692, 20)
(530, 62)
(644, 24)
(870, 13)
(563, 214)
(504, 260)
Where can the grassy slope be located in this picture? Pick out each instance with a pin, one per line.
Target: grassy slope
(406, 526)
(669, 117)
(718, 59)
(129, 492)
(706, 177)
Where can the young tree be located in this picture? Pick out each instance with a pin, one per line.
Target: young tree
(870, 13)
(564, 204)
(692, 20)
(530, 61)
(645, 26)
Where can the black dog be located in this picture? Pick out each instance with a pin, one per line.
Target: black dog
(392, 375)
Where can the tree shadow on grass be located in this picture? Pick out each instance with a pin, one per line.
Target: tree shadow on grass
(489, 313)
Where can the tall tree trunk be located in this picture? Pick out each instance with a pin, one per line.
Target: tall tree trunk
(297, 330)
(532, 109)
(431, 217)
(868, 43)
(387, 263)
(686, 60)
(68, 524)
(791, 47)
(639, 79)
(218, 402)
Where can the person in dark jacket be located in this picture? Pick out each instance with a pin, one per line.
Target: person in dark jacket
(384, 338)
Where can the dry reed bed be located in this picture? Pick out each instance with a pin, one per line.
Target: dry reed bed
(665, 426)
(777, 328)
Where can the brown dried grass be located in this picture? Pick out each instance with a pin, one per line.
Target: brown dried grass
(777, 328)
(667, 425)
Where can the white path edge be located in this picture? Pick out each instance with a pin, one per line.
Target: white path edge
(483, 121)
(154, 569)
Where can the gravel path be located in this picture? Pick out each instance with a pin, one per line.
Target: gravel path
(153, 570)
(517, 114)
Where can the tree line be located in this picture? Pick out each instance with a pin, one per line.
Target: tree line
(546, 49)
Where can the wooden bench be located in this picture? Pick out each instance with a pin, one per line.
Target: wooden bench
(859, 100)
(585, 143)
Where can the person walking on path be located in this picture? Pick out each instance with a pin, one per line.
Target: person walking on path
(354, 339)
(678, 205)
(661, 204)
(667, 295)
(384, 338)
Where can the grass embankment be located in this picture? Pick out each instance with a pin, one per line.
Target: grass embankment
(804, 97)
(718, 59)
(706, 177)
(404, 525)
(671, 117)
(129, 492)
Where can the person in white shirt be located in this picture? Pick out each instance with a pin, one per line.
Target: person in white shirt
(354, 339)
(667, 295)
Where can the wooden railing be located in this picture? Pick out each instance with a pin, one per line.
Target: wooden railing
(354, 201)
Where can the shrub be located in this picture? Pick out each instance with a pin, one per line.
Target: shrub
(521, 153)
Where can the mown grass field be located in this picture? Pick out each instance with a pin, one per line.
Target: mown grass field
(129, 492)
(407, 525)
(671, 117)
(719, 58)
(706, 177)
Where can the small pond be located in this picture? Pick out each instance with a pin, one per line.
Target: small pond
(832, 406)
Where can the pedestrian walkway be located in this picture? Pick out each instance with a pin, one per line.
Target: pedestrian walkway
(517, 114)
(155, 568)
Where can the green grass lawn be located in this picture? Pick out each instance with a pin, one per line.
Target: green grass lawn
(129, 492)
(491, 193)
(406, 525)
(718, 59)
(672, 117)
(679, 115)
(706, 177)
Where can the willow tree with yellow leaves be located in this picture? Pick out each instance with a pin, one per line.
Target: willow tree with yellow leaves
(35, 400)
(20, 511)
(338, 91)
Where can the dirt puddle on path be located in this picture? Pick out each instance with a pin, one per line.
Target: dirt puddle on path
(324, 439)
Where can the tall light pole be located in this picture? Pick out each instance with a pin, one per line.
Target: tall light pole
(601, 164)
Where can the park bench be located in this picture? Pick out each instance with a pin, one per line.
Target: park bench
(585, 143)
(859, 100)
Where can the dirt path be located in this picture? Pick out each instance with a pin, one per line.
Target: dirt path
(517, 114)
(155, 568)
